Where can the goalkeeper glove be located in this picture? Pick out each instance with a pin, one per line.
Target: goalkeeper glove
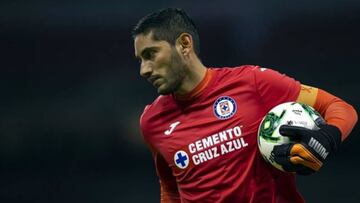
(309, 149)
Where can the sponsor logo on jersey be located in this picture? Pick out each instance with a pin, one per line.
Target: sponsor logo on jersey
(210, 147)
(181, 159)
(224, 107)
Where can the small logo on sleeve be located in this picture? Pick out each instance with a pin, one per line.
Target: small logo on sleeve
(224, 107)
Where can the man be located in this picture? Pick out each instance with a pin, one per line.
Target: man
(202, 129)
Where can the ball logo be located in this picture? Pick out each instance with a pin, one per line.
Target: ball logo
(224, 107)
(181, 159)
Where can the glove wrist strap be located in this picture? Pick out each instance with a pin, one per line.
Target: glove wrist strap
(333, 134)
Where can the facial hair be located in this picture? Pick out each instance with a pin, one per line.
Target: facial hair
(176, 74)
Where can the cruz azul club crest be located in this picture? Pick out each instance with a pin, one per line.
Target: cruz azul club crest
(224, 107)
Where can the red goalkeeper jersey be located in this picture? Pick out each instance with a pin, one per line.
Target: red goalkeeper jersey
(205, 143)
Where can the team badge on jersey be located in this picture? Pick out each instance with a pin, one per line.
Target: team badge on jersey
(181, 159)
(224, 107)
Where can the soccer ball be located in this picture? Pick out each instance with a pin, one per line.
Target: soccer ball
(290, 113)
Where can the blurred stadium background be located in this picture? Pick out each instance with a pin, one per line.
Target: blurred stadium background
(71, 95)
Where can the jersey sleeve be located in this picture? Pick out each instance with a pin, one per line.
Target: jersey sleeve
(168, 186)
(335, 111)
(274, 88)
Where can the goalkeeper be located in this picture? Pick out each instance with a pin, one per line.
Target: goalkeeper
(202, 129)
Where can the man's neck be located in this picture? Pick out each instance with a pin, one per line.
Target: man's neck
(196, 73)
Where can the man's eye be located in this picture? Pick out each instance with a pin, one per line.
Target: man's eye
(150, 55)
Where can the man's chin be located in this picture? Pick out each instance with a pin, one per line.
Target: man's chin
(164, 91)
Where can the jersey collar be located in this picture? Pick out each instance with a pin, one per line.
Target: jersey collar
(198, 89)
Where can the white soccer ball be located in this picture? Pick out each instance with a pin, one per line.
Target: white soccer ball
(290, 113)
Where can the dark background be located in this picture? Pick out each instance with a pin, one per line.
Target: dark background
(71, 95)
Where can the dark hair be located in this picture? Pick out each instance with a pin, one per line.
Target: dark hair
(167, 25)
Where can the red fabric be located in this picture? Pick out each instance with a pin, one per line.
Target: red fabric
(224, 164)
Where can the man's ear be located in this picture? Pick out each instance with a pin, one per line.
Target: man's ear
(184, 43)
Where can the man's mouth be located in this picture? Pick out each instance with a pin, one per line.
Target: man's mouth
(155, 81)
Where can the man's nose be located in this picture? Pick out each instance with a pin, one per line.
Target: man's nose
(145, 69)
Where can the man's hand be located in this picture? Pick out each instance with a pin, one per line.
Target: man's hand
(309, 149)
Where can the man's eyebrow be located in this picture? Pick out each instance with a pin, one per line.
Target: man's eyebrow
(147, 49)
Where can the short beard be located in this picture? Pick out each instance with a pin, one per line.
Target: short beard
(176, 74)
